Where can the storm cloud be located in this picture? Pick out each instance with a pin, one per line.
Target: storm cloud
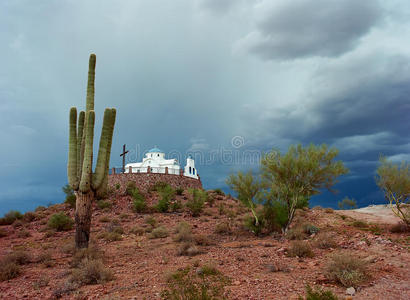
(304, 28)
(225, 80)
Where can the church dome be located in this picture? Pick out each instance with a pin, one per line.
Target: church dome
(155, 150)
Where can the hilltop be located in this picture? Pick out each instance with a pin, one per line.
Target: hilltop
(141, 249)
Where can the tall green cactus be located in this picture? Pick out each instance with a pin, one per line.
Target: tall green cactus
(84, 182)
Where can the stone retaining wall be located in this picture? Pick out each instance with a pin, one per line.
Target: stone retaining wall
(146, 180)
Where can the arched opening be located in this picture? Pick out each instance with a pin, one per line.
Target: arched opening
(190, 170)
(193, 171)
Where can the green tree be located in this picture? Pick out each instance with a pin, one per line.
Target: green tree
(247, 187)
(300, 173)
(347, 203)
(394, 181)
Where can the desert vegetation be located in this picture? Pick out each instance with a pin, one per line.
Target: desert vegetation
(197, 244)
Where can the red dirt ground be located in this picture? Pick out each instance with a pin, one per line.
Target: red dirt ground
(140, 264)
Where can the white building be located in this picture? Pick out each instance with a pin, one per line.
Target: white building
(156, 161)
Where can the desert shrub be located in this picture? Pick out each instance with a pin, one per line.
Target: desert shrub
(101, 204)
(196, 201)
(159, 232)
(115, 227)
(300, 249)
(90, 253)
(3, 233)
(183, 232)
(110, 236)
(17, 224)
(275, 215)
(223, 228)
(249, 223)
(40, 208)
(124, 217)
(117, 186)
(9, 270)
(19, 257)
(202, 240)
(318, 294)
(45, 259)
(296, 233)
(204, 283)
(167, 194)
(346, 269)
(23, 234)
(159, 186)
(139, 203)
(91, 272)
(219, 192)
(65, 288)
(10, 217)
(175, 205)
(137, 230)
(347, 203)
(43, 281)
(329, 210)
(29, 217)
(60, 222)
(151, 221)
(310, 228)
(360, 224)
(179, 191)
(325, 240)
(163, 205)
(104, 219)
(70, 198)
(131, 186)
(188, 249)
(399, 228)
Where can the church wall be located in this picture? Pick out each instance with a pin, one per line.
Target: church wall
(144, 181)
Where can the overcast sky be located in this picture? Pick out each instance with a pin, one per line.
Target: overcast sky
(204, 76)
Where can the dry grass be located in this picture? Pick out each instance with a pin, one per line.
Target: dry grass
(183, 233)
(45, 258)
(300, 249)
(223, 228)
(137, 230)
(9, 270)
(325, 240)
(91, 272)
(202, 240)
(188, 249)
(90, 253)
(346, 269)
(10, 264)
(159, 232)
(400, 228)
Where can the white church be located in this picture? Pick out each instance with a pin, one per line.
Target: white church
(157, 163)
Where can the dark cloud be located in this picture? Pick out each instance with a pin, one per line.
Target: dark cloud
(304, 28)
(218, 6)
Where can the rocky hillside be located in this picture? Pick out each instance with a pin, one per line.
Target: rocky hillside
(155, 255)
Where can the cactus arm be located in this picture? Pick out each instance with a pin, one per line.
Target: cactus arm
(99, 173)
(104, 183)
(72, 150)
(80, 150)
(90, 84)
(86, 174)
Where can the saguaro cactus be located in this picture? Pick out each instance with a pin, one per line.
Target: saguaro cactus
(84, 182)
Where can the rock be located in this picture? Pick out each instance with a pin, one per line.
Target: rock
(350, 291)
(237, 282)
